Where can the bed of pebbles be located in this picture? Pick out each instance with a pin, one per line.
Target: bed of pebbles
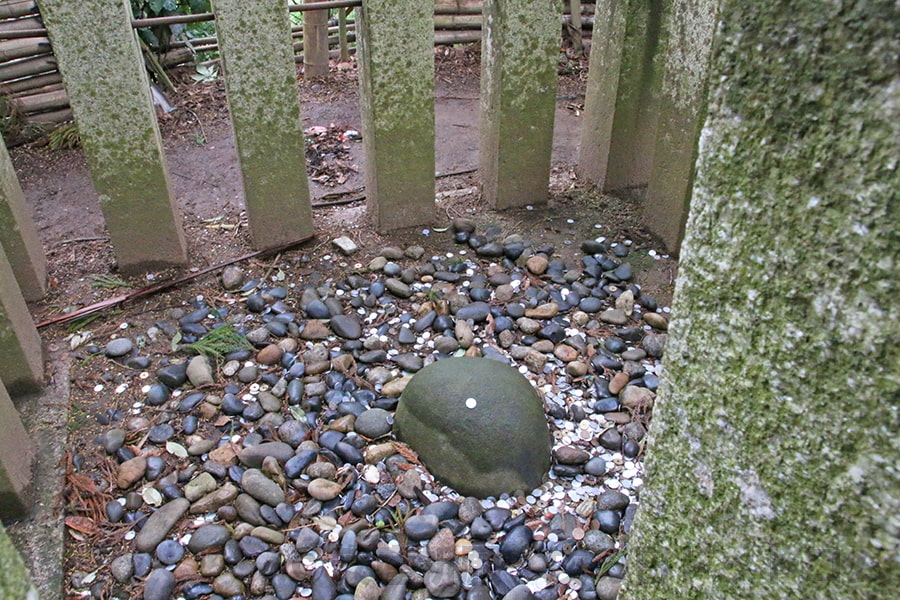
(273, 473)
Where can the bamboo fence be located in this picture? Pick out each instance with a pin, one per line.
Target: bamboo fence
(32, 95)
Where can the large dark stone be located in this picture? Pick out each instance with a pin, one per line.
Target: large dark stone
(478, 425)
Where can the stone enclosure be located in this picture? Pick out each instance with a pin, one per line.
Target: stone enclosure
(779, 127)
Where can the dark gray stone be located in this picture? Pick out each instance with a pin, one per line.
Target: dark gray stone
(477, 424)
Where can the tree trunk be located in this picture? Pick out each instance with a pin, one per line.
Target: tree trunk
(772, 469)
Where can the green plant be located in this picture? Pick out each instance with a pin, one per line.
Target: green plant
(107, 282)
(78, 418)
(82, 323)
(205, 73)
(215, 344)
(609, 562)
(432, 295)
(64, 136)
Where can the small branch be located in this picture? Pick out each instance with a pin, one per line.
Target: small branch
(148, 291)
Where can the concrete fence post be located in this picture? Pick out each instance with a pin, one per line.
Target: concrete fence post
(15, 581)
(621, 104)
(109, 92)
(772, 466)
(602, 87)
(396, 60)
(16, 460)
(21, 355)
(520, 54)
(18, 234)
(682, 106)
(261, 81)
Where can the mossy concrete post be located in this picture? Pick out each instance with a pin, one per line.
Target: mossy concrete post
(261, 81)
(109, 92)
(627, 149)
(602, 87)
(682, 106)
(396, 63)
(15, 581)
(16, 459)
(18, 234)
(520, 54)
(21, 355)
(772, 469)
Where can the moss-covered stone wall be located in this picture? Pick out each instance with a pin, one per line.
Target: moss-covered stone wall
(520, 50)
(773, 462)
(260, 79)
(18, 234)
(396, 64)
(108, 89)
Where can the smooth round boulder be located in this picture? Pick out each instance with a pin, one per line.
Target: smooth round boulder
(477, 424)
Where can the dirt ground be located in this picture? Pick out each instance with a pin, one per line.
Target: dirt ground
(205, 180)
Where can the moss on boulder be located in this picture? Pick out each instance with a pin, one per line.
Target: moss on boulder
(477, 424)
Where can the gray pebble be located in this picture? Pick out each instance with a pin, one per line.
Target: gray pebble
(421, 527)
(159, 585)
(442, 580)
(346, 326)
(119, 347)
(373, 423)
(207, 537)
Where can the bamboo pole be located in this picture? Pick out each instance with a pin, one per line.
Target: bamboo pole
(20, 24)
(48, 118)
(13, 49)
(448, 38)
(27, 66)
(315, 40)
(45, 101)
(29, 84)
(458, 7)
(342, 34)
(14, 8)
(457, 22)
(10, 34)
(49, 87)
(332, 41)
(575, 30)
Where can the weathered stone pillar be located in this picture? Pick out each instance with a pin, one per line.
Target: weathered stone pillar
(602, 87)
(16, 458)
(107, 86)
(396, 87)
(18, 235)
(773, 461)
(261, 80)
(15, 581)
(682, 106)
(628, 148)
(21, 357)
(520, 54)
